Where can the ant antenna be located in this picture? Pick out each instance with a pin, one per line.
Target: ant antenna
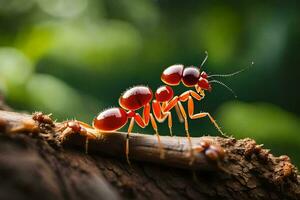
(205, 58)
(232, 74)
(224, 85)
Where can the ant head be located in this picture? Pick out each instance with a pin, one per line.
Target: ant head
(203, 83)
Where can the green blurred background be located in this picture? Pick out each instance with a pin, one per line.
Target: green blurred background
(73, 58)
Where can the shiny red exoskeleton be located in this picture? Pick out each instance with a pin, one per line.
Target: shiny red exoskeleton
(111, 119)
(190, 77)
(133, 99)
(140, 97)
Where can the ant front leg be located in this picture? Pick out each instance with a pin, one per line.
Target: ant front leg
(201, 115)
(200, 91)
(185, 96)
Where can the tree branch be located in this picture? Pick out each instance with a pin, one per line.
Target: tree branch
(246, 171)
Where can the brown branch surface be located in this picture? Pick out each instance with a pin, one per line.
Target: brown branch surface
(35, 163)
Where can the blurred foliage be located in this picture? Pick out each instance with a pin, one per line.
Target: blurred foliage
(75, 57)
(269, 124)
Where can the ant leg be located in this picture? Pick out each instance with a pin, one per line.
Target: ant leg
(154, 125)
(186, 126)
(84, 127)
(201, 115)
(195, 95)
(127, 139)
(170, 122)
(162, 116)
(146, 113)
(171, 104)
(156, 109)
(179, 114)
(71, 127)
(139, 120)
(184, 96)
(200, 91)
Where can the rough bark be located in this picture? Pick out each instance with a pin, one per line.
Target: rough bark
(35, 164)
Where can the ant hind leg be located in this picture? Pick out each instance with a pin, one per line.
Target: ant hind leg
(127, 140)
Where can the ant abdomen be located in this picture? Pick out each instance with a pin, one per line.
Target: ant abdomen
(110, 120)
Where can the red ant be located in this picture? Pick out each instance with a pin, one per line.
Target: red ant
(138, 97)
(190, 77)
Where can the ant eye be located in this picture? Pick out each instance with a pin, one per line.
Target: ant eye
(172, 75)
(204, 75)
(190, 76)
(204, 84)
(164, 93)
